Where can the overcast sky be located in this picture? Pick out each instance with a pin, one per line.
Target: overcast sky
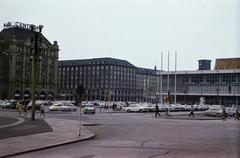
(135, 30)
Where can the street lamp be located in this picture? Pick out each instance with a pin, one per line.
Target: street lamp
(218, 90)
(35, 68)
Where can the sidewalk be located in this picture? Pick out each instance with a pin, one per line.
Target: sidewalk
(63, 132)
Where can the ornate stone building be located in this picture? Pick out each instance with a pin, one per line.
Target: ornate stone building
(16, 64)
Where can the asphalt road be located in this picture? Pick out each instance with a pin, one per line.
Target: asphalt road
(141, 135)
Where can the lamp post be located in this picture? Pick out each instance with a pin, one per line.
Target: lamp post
(35, 68)
(217, 90)
(80, 92)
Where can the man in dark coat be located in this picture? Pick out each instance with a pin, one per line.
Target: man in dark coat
(157, 111)
(191, 112)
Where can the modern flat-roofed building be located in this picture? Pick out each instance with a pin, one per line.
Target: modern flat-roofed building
(16, 56)
(119, 80)
(213, 86)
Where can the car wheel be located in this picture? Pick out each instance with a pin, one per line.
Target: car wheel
(128, 110)
(218, 115)
(140, 110)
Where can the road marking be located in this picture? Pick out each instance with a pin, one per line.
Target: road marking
(20, 120)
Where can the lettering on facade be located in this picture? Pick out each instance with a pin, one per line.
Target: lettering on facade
(23, 25)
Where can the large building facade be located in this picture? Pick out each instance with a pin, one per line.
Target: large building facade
(103, 79)
(119, 80)
(17, 52)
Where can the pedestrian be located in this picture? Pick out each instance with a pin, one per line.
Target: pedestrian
(25, 108)
(224, 115)
(237, 114)
(167, 112)
(42, 110)
(191, 112)
(157, 111)
(19, 108)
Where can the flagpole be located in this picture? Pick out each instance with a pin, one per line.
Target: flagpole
(175, 83)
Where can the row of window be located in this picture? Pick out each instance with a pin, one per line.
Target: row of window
(212, 78)
(42, 52)
(91, 68)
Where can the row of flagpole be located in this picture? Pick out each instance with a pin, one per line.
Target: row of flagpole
(168, 76)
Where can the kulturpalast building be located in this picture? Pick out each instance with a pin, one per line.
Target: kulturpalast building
(16, 66)
(118, 80)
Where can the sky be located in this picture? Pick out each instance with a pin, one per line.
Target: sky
(135, 30)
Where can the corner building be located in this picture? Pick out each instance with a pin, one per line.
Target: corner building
(16, 52)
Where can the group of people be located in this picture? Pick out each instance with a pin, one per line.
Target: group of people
(191, 114)
(157, 112)
(224, 114)
(22, 108)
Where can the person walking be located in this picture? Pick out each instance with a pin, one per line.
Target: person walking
(157, 111)
(42, 110)
(24, 108)
(19, 108)
(224, 115)
(191, 112)
(236, 114)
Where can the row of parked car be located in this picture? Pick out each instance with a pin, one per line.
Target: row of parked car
(8, 104)
(89, 107)
(148, 107)
(217, 110)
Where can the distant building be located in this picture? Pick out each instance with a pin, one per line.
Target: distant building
(103, 79)
(227, 63)
(118, 80)
(16, 54)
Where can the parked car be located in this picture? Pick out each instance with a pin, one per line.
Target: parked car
(62, 107)
(89, 109)
(38, 103)
(214, 111)
(69, 107)
(151, 107)
(231, 111)
(6, 105)
(135, 108)
(55, 107)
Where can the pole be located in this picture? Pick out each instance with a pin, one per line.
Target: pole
(168, 81)
(80, 107)
(161, 77)
(34, 78)
(175, 82)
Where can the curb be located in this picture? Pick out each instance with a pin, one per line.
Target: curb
(50, 146)
(20, 120)
(202, 119)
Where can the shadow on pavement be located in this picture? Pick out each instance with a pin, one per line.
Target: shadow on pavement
(28, 127)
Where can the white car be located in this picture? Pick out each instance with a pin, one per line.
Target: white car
(136, 108)
(89, 109)
(62, 107)
(231, 111)
(214, 111)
